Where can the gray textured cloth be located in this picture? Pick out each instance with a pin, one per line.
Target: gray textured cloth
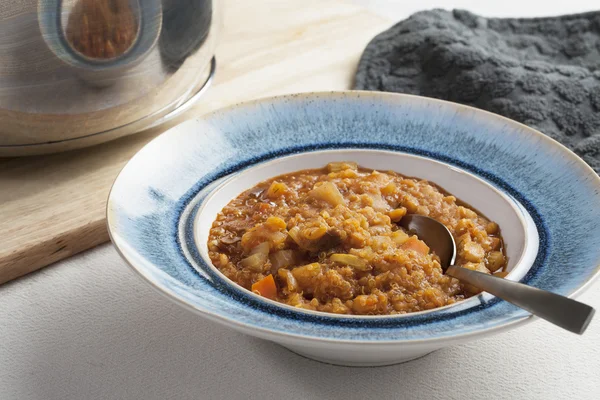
(544, 72)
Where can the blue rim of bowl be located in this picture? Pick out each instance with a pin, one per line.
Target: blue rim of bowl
(392, 322)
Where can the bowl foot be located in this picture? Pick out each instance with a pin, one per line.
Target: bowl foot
(354, 360)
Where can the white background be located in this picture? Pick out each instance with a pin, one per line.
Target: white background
(88, 328)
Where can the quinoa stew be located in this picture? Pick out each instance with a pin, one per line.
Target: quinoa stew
(327, 240)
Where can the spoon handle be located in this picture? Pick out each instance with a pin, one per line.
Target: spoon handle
(559, 310)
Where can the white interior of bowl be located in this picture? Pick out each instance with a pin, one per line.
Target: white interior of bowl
(517, 227)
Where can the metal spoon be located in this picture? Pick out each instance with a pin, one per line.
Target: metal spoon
(559, 310)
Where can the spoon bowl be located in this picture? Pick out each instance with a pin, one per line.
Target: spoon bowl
(559, 310)
(435, 234)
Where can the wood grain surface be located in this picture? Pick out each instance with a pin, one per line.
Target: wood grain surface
(53, 206)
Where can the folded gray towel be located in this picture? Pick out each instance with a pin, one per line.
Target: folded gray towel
(544, 72)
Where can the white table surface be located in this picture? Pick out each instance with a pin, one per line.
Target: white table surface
(88, 328)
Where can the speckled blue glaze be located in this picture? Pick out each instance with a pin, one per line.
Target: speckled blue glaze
(176, 170)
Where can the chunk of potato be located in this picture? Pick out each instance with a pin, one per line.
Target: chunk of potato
(271, 231)
(473, 252)
(306, 274)
(277, 190)
(410, 203)
(495, 243)
(491, 228)
(378, 203)
(479, 267)
(399, 237)
(465, 237)
(341, 165)
(328, 193)
(282, 258)
(397, 214)
(464, 225)
(257, 258)
(495, 261)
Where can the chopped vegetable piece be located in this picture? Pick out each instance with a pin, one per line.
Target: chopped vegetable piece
(464, 238)
(314, 233)
(266, 287)
(495, 260)
(479, 267)
(314, 239)
(464, 225)
(289, 279)
(306, 273)
(495, 243)
(492, 228)
(410, 203)
(282, 258)
(419, 246)
(466, 213)
(277, 189)
(254, 262)
(351, 260)
(342, 165)
(257, 258)
(295, 235)
(399, 237)
(327, 192)
(449, 199)
(472, 251)
(262, 248)
(388, 189)
(271, 231)
(397, 214)
(275, 223)
(378, 203)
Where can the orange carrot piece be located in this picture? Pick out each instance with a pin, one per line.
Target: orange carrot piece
(266, 287)
(415, 244)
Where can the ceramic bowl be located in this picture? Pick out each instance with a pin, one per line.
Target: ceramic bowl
(165, 199)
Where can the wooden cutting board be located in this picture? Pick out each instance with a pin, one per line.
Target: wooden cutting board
(53, 206)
